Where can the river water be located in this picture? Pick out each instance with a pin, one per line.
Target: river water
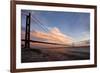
(54, 54)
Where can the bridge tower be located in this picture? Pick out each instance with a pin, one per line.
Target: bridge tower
(27, 32)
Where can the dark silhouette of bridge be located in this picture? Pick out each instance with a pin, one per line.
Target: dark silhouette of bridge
(27, 40)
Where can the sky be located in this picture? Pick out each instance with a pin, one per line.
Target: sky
(61, 27)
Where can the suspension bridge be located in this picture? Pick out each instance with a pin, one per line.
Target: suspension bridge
(42, 27)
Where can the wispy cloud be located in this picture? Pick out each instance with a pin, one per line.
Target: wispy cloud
(54, 36)
(83, 37)
(22, 34)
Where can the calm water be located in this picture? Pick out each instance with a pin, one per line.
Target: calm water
(54, 54)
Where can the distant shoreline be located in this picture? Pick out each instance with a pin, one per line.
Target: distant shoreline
(69, 47)
(78, 47)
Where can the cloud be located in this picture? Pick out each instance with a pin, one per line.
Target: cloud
(23, 28)
(85, 36)
(53, 36)
(22, 35)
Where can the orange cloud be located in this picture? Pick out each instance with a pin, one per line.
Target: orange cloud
(53, 36)
(22, 35)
